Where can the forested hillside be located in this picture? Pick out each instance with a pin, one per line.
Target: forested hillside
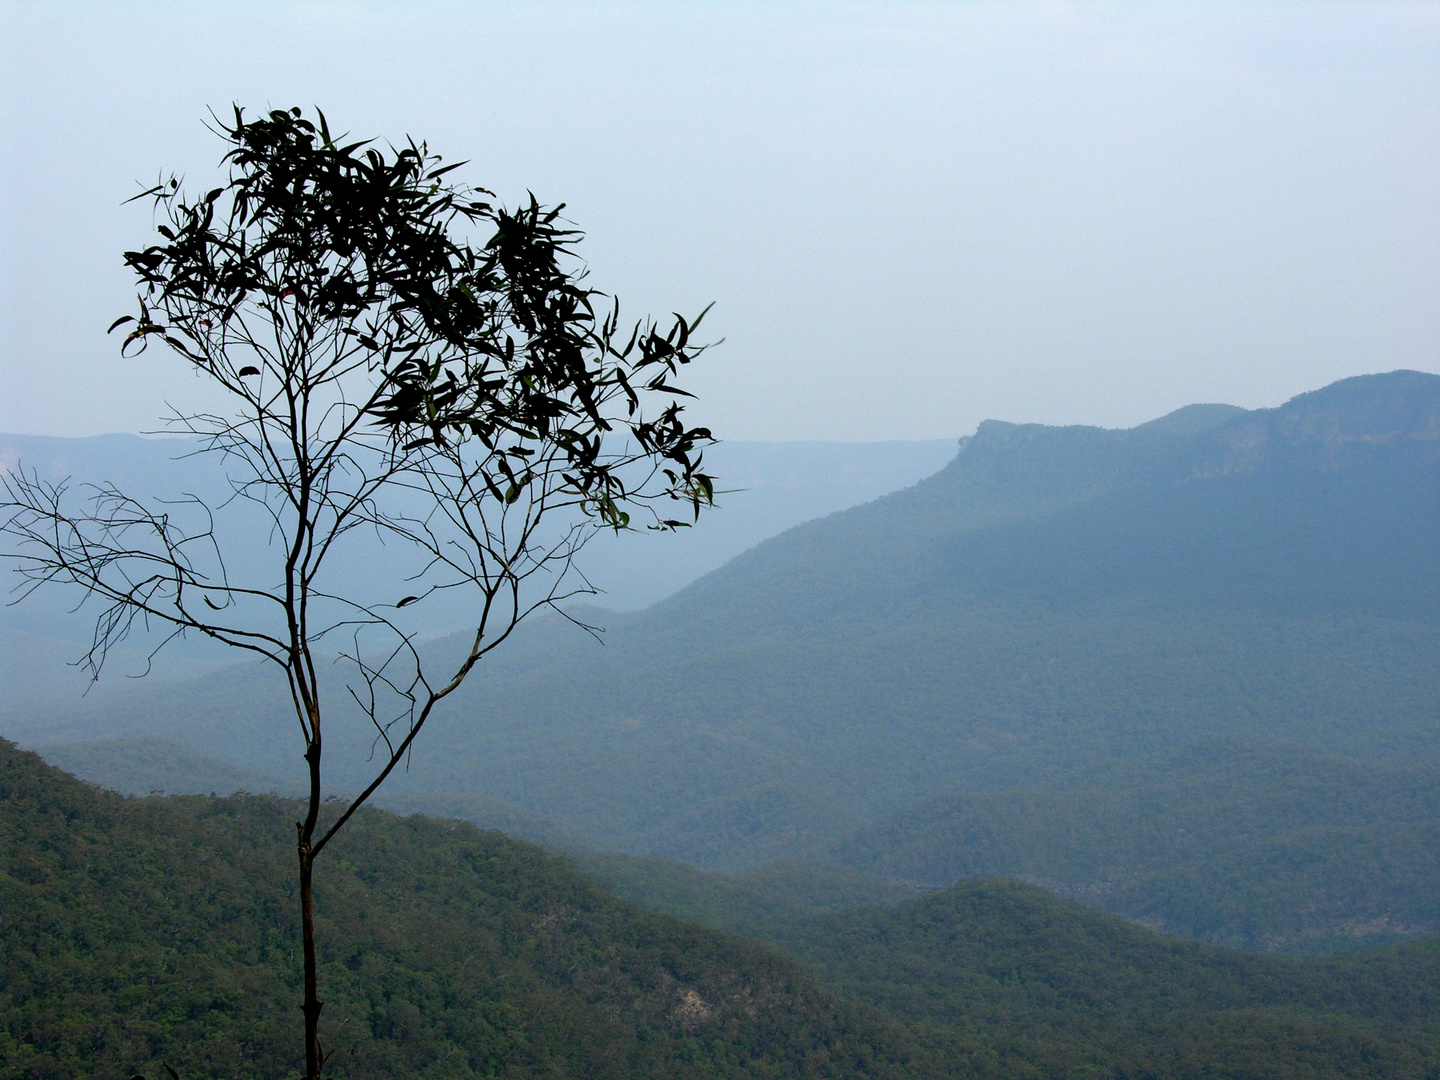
(139, 931)
(1237, 842)
(1055, 989)
(136, 931)
(1049, 987)
(1054, 599)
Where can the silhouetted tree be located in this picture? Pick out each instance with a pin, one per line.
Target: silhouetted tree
(386, 375)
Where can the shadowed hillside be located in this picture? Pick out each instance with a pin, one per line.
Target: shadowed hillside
(135, 931)
(139, 930)
(1231, 841)
(1053, 599)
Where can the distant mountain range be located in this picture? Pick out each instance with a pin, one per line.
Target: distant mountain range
(1051, 604)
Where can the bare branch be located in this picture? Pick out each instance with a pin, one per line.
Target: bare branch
(465, 404)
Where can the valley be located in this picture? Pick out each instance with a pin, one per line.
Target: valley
(1096, 750)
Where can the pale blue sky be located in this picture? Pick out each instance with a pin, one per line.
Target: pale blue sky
(911, 216)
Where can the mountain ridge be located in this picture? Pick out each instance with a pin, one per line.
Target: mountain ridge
(142, 930)
(1051, 600)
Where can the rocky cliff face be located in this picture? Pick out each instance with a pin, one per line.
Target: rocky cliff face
(1394, 414)
(1359, 418)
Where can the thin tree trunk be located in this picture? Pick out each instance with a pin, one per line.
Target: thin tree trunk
(314, 1062)
(312, 1004)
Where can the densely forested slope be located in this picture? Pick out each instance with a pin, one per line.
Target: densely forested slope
(139, 930)
(763, 903)
(1053, 599)
(1048, 987)
(1051, 986)
(1233, 841)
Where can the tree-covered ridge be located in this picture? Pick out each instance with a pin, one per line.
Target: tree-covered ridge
(1048, 987)
(1053, 988)
(159, 766)
(164, 766)
(1233, 841)
(142, 930)
(765, 903)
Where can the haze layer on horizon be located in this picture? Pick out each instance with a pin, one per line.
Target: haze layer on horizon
(910, 217)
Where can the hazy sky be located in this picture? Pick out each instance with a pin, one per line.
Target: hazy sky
(911, 216)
